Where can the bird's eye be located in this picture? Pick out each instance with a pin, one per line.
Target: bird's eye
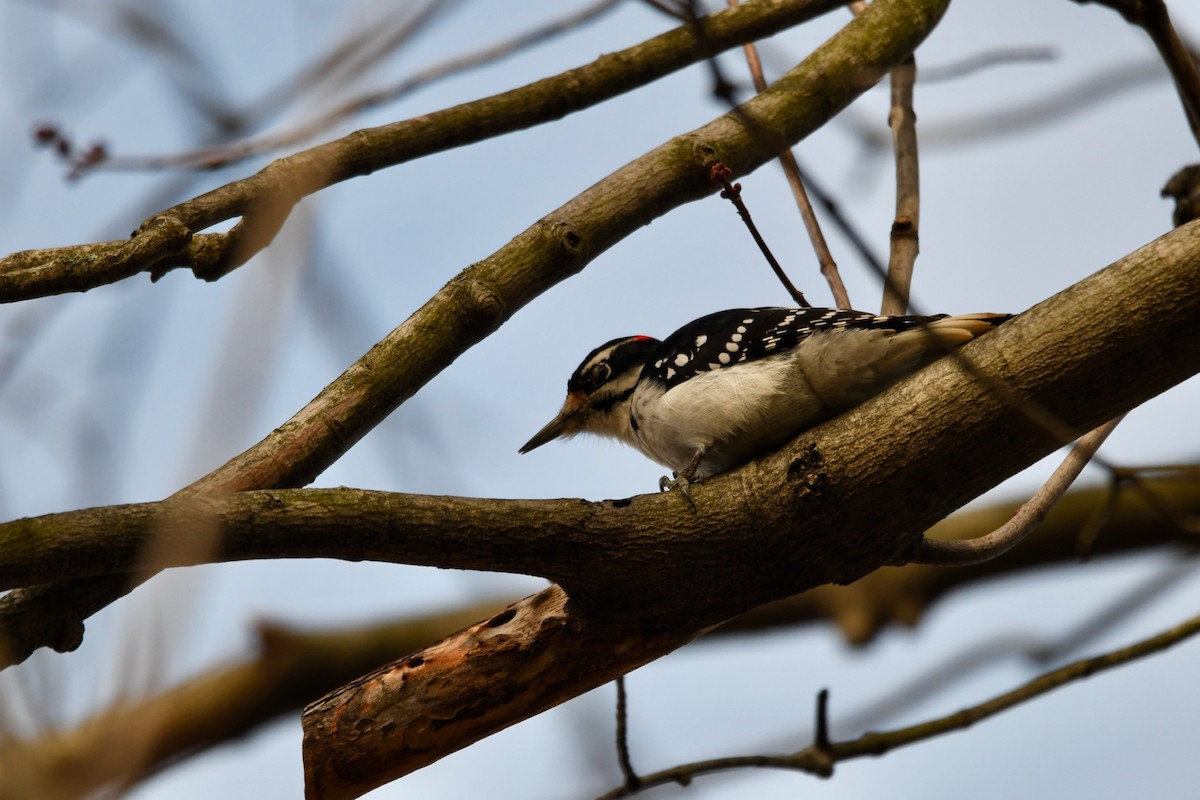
(599, 374)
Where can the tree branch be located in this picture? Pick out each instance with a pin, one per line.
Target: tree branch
(230, 152)
(1152, 17)
(950, 553)
(1068, 356)
(901, 596)
(134, 739)
(292, 667)
(37, 273)
(820, 758)
(483, 296)
(778, 526)
(264, 200)
(791, 170)
(905, 240)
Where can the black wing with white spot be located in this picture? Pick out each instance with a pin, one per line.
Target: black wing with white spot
(732, 337)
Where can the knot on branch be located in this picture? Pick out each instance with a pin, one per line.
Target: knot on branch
(166, 234)
(805, 471)
(570, 239)
(486, 301)
(705, 154)
(903, 228)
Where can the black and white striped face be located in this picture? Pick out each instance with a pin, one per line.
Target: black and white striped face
(599, 390)
(609, 372)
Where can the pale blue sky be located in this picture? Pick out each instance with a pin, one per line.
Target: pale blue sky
(127, 392)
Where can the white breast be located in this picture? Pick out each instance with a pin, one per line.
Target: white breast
(735, 412)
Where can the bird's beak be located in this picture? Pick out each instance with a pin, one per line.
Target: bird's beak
(567, 422)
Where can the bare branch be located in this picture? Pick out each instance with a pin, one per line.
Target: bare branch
(1065, 354)
(791, 170)
(904, 237)
(733, 193)
(1152, 17)
(36, 273)
(291, 666)
(483, 296)
(134, 739)
(961, 553)
(632, 781)
(226, 153)
(642, 590)
(1034, 113)
(819, 760)
(985, 60)
(264, 200)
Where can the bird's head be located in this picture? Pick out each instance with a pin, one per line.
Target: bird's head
(598, 392)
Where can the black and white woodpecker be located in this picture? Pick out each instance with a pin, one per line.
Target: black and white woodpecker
(734, 385)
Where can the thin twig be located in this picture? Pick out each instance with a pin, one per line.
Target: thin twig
(1189, 523)
(841, 222)
(828, 266)
(905, 241)
(791, 169)
(1179, 61)
(733, 193)
(1085, 540)
(722, 88)
(1117, 610)
(673, 10)
(986, 59)
(876, 744)
(227, 153)
(1152, 17)
(946, 552)
(632, 781)
(374, 38)
(821, 739)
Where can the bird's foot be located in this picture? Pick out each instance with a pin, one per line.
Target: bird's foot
(679, 482)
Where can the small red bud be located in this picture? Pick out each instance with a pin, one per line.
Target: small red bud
(720, 172)
(96, 153)
(45, 133)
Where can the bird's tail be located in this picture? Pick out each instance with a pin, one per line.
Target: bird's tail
(962, 328)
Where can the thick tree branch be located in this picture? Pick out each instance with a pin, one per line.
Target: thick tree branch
(483, 296)
(263, 201)
(292, 667)
(1066, 355)
(902, 595)
(778, 526)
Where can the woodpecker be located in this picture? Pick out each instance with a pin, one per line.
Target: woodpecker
(734, 385)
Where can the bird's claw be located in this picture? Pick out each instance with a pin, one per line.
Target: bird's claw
(679, 482)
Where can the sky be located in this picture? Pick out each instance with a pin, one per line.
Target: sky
(128, 392)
